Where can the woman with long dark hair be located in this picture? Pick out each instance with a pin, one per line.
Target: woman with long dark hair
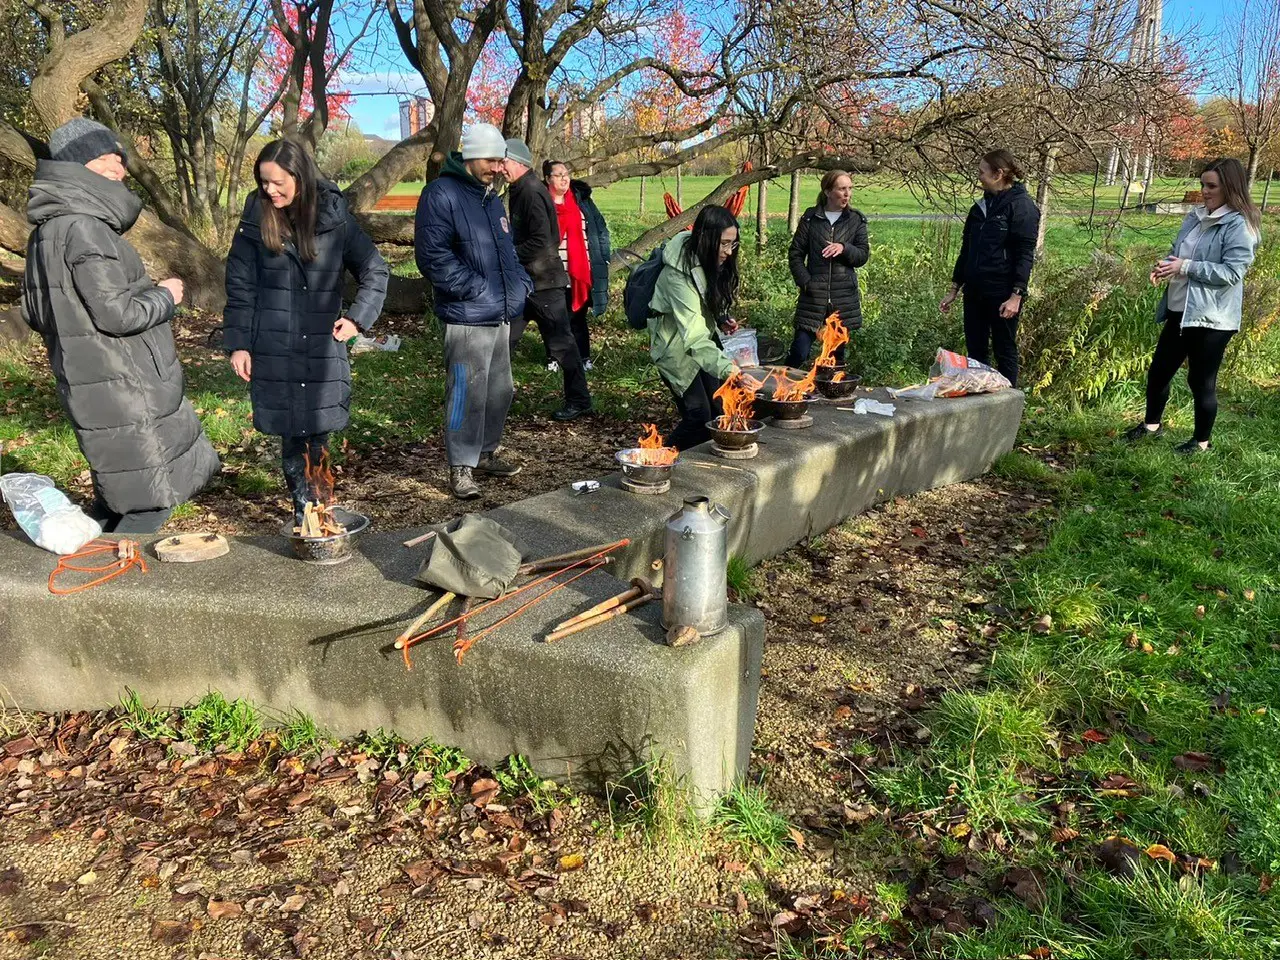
(286, 329)
(995, 261)
(584, 250)
(690, 304)
(1200, 309)
(829, 246)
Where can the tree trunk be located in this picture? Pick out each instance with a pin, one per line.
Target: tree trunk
(14, 230)
(12, 327)
(1266, 188)
(1254, 153)
(644, 183)
(793, 206)
(374, 183)
(1044, 188)
(387, 228)
(762, 215)
(680, 186)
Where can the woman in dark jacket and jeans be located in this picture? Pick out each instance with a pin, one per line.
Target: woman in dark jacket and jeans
(994, 266)
(285, 328)
(829, 246)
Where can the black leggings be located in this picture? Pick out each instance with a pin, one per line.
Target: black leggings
(294, 453)
(1202, 349)
(697, 406)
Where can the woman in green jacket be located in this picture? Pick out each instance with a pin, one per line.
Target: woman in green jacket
(691, 302)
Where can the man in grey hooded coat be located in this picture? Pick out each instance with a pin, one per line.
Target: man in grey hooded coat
(106, 326)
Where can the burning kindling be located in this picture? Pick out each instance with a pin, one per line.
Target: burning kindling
(736, 395)
(653, 452)
(318, 519)
(787, 390)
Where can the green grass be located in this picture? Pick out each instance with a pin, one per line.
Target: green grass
(651, 799)
(149, 722)
(214, 721)
(1160, 579)
(441, 764)
(741, 579)
(746, 817)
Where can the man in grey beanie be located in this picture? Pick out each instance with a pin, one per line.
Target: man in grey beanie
(537, 233)
(462, 242)
(106, 327)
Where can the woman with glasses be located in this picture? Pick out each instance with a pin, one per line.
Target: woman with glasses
(584, 250)
(829, 246)
(690, 304)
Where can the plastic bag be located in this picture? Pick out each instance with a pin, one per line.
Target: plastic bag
(742, 347)
(867, 405)
(390, 343)
(46, 515)
(954, 375)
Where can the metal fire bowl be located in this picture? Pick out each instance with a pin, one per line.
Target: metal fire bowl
(326, 550)
(838, 389)
(637, 471)
(782, 409)
(735, 439)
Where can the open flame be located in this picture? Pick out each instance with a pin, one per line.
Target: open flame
(736, 396)
(789, 390)
(654, 451)
(318, 519)
(838, 377)
(832, 336)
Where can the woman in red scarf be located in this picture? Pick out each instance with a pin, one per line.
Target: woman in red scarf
(577, 229)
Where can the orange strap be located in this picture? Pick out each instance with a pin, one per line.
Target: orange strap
(125, 556)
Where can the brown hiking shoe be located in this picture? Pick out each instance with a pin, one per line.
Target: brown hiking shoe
(462, 484)
(491, 464)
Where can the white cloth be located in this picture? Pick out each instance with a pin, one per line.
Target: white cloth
(1186, 252)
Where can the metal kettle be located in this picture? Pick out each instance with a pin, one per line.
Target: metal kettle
(695, 589)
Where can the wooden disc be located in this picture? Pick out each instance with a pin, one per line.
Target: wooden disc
(191, 547)
(682, 636)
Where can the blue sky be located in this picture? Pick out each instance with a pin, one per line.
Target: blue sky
(381, 67)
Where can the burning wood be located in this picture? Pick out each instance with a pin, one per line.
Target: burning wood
(832, 336)
(318, 519)
(653, 450)
(736, 395)
(790, 390)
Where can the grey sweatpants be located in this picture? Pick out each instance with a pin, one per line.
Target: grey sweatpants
(477, 391)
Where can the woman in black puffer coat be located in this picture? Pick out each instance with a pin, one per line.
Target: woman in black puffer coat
(829, 246)
(286, 330)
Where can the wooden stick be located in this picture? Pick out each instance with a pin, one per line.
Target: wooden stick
(638, 588)
(422, 539)
(459, 650)
(534, 566)
(445, 599)
(569, 631)
(507, 596)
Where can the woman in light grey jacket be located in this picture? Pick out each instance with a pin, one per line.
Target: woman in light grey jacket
(1201, 305)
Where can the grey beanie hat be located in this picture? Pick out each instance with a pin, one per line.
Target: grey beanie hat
(519, 151)
(81, 140)
(483, 141)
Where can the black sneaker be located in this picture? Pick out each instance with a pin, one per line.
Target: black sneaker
(1192, 447)
(571, 412)
(491, 464)
(1140, 432)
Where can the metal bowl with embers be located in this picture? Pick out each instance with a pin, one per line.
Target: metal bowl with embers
(331, 549)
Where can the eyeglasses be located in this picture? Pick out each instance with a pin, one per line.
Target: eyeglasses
(729, 245)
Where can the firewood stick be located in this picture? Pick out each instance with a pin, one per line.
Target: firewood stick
(444, 600)
(639, 587)
(569, 631)
(422, 539)
(534, 565)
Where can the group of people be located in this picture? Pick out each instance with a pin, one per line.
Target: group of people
(106, 324)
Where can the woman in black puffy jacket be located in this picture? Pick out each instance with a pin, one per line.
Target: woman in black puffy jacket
(285, 326)
(829, 246)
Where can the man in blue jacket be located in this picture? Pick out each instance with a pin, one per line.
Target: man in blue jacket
(462, 240)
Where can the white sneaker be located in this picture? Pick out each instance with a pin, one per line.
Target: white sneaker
(588, 365)
(553, 367)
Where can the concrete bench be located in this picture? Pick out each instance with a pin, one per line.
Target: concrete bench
(260, 625)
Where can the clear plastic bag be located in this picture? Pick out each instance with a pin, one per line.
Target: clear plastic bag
(46, 515)
(954, 375)
(742, 347)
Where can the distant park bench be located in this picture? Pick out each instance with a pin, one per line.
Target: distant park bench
(397, 203)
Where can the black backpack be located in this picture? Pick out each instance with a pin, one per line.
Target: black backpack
(638, 291)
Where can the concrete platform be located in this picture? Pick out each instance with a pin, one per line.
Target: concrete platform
(258, 624)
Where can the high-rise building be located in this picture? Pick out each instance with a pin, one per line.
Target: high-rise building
(415, 113)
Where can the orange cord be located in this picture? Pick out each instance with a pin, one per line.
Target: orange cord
(127, 556)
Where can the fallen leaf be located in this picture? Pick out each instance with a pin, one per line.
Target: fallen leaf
(1094, 736)
(571, 861)
(224, 909)
(1264, 883)
(843, 712)
(1027, 886)
(1063, 834)
(1043, 625)
(787, 921)
(1118, 855)
(86, 879)
(818, 618)
(420, 872)
(294, 903)
(1249, 595)
(484, 791)
(170, 932)
(796, 837)
(1158, 851)
(1200, 611)
(645, 912)
(1194, 762)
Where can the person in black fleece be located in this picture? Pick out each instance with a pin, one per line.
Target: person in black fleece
(994, 266)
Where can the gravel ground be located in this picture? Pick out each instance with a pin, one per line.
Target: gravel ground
(112, 846)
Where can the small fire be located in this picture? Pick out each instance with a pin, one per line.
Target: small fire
(318, 519)
(654, 451)
(736, 395)
(788, 390)
(832, 336)
(838, 377)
